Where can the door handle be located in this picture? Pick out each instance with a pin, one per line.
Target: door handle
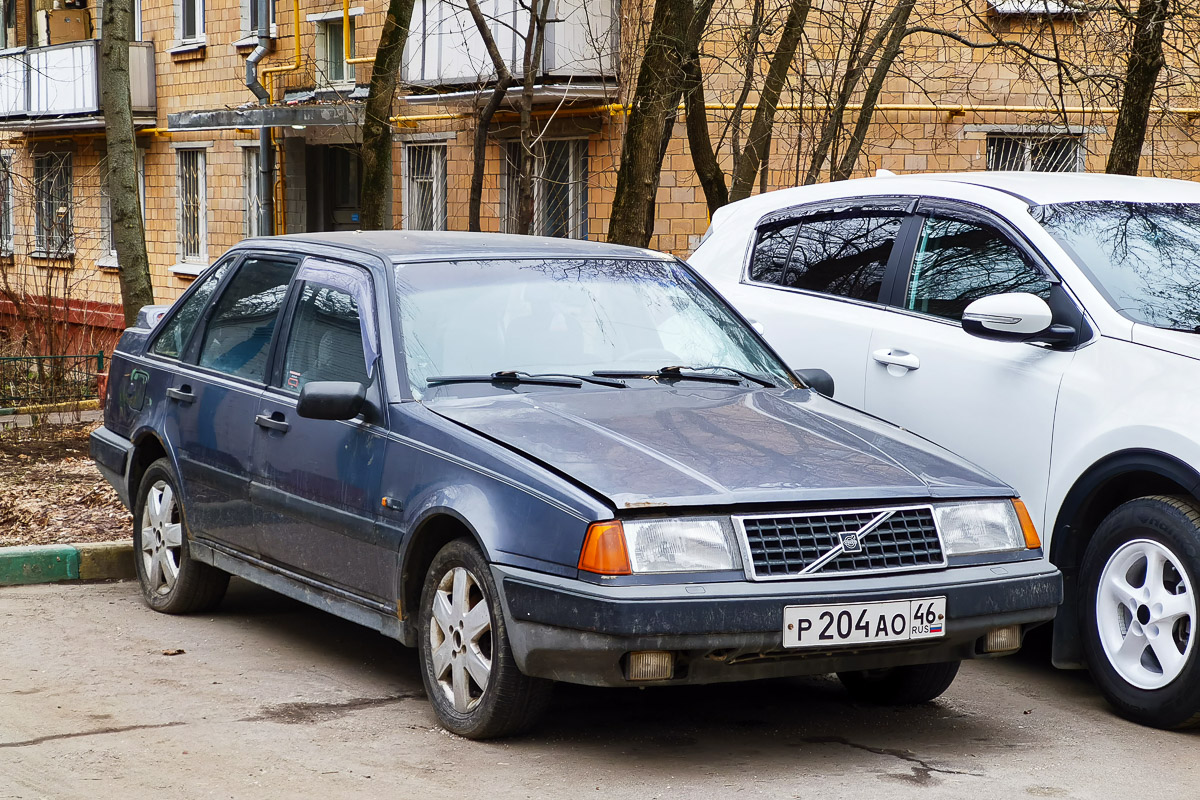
(183, 394)
(275, 422)
(896, 358)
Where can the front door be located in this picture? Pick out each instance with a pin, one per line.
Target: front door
(991, 402)
(317, 481)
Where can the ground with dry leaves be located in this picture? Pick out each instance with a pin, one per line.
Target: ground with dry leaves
(50, 491)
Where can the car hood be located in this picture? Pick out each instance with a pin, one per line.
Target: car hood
(661, 446)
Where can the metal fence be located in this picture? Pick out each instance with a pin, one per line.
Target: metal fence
(40, 380)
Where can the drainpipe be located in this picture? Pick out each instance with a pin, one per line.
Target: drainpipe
(266, 167)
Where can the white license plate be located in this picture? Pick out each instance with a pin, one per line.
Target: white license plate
(864, 623)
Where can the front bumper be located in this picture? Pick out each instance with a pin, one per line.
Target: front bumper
(569, 630)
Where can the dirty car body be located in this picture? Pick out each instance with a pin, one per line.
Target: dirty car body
(544, 460)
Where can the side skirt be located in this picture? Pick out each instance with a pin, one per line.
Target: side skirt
(340, 603)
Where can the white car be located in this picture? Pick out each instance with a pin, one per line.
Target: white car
(1045, 326)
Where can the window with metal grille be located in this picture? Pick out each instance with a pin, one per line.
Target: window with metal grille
(252, 202)
(193, 206)
(6, 205)
(425, 187)
(1035, 152)
(53, 231)
(560, 188)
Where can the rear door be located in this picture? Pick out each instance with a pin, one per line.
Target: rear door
(992, 402)
(316, 482)
(815, 279)
(213, 397)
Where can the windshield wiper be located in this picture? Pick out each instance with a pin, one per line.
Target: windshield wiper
(516, 376)
(690, 373)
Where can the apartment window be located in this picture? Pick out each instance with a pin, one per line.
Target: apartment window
(6, 205)
(1035, 152)
(331, 47)
(425, 187)
(193, 207)
(108, 247)
(53, 232)
(190, 16)
(250, 17)
(560, 178)
(252, 201)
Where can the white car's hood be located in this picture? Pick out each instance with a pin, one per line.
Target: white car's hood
(1181, 342)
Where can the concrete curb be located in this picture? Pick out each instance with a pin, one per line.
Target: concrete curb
(53, 563)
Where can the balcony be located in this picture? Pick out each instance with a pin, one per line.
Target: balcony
(445, 49)
(59, 86)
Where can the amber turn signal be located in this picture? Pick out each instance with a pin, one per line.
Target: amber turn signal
(604, 550)
(1031, 535)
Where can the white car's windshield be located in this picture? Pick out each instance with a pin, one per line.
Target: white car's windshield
(1145, 257)
(568, 316)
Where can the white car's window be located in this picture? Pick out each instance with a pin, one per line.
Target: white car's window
(844, 255)
(958, 262)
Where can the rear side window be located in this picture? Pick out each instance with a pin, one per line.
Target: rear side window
(844, 255)
(958, 262)
(175, 334)
(238, 336)
(326, 343)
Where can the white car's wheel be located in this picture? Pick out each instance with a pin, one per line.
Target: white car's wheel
(1140, 613)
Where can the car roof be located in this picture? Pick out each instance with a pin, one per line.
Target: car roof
(1044, 188)
(411, 246)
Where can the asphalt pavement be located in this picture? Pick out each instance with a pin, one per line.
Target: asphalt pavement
(101, 697)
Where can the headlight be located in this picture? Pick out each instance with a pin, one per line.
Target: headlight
(698, 544)
(982, 527)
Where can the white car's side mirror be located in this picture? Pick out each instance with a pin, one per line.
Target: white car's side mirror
(1012, 317)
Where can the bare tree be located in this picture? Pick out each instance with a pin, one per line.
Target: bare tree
(377, 174)
(128, 231)
(1141, 74)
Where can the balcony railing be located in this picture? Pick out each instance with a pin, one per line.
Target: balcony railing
(64, 80)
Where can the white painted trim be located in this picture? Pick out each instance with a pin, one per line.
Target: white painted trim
(245, 142)
(190, 46)
(187, 269)
(327, 16)
(192, 145)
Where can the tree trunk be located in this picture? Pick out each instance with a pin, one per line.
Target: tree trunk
(129, 234)
(758, 141)
(899, 22)
(377, 172)
(675, 31)
(704, 158)
(504, 81)
(1141, 73)
(534, 39)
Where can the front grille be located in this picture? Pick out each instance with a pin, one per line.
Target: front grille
(795, 545)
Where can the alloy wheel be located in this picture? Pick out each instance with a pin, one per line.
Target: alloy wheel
(162, 538)
(1146, 614)
(460, 639)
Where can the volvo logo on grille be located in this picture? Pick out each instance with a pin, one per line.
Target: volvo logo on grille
(851, 543)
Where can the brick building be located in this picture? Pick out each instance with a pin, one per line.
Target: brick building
(947, 107)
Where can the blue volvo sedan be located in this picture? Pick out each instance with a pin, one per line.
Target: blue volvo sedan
(539, 460)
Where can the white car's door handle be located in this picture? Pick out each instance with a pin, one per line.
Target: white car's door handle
(896, 358)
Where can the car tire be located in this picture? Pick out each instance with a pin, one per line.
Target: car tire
(470, 675)
(172, 582)
(1138, 610)
(900, 686)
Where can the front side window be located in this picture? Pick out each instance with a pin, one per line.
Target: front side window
(237, 339)
(1144, 257)
(425, 198)
(560, 188)
(193, 206)
(958, 262)
(53, 231)
(174, 336)
(326, 342)
(568, 315)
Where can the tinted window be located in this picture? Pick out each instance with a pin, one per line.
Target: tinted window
(237, 338)
(1144, 256)
(958, 262)
(771, 253)
(843, 255)
(175, 333)
(326, 342)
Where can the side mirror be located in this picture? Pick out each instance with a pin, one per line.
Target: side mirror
(331, 400)
(1014, 317)
(818, 380)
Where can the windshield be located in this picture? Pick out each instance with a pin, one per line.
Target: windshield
(568, 316)
(1145, 257)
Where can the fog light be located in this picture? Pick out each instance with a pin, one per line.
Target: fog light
(999, 640)
(651, 665)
